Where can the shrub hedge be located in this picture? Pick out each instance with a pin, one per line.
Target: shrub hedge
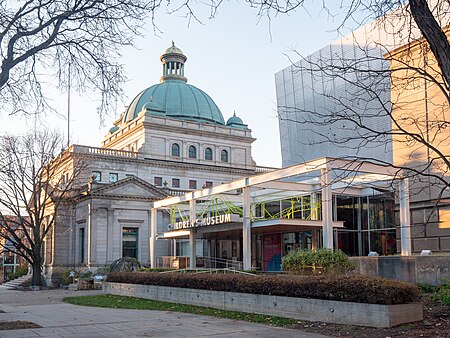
(317, 261)
(359, 289)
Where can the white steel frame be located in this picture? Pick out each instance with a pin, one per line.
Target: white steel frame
(351, 176)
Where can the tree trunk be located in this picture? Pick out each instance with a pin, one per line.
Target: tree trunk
(37, 274)
(436, 38)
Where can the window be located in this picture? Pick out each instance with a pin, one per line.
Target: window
(208, 154)
(208, 184)
(96, 176)
(130, 242)
(113, 177)
(82, 245)
(192, 152)
(175, 182)
(175, 150)
(192, 184)
(224, 156)
(158, 181)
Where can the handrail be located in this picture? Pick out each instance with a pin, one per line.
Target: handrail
(199, 271)
(216, 262)
(182, 262)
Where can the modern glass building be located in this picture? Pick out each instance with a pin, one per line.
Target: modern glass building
(319, 96)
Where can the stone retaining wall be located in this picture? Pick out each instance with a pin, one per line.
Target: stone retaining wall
(433, 270)
(375, 315)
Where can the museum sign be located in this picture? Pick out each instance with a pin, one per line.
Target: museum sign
(201, 222)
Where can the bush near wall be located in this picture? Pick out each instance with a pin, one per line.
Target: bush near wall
(359, 289)
(317, 261)
(21, 271)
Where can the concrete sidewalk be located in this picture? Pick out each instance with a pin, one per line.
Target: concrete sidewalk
(59, 319)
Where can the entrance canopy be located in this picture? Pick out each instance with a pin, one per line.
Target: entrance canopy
(240, 199)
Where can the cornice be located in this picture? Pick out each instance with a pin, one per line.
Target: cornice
(173, 164)
(200, 132)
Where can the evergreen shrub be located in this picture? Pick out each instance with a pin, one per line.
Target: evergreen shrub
(320, 261)
(20, 271)
(359, 289)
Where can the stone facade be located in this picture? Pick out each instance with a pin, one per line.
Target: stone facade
(115, 185)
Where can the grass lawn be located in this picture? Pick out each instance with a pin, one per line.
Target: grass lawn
(122, 302)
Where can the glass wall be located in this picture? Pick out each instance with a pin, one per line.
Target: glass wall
(368, 221)
(368, 225)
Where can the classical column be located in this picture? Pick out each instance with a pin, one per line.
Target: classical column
(405, 222)
(110, 236)
(192, 236)
(153, 221)
(89, 234)
(327, 209)
(246, 229)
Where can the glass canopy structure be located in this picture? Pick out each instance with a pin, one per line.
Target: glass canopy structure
(325, 202)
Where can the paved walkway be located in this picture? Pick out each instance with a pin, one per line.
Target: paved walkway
(59, 319)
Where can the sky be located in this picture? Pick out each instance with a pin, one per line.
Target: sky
(232, 57)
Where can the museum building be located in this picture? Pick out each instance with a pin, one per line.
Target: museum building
(174, 185)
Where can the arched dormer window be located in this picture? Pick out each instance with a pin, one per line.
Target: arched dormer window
(208, 154)
(192, 152)
(224, 156)
(175, 150)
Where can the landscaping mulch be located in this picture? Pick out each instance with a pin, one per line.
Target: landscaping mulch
(436, 324)
(18, 325)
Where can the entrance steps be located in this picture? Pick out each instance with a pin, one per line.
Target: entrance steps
(15, 283)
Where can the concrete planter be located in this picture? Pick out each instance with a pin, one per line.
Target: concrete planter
(374, 315)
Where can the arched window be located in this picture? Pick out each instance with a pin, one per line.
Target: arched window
(176, 150)
(208, 154)
(224, 156)
(192, 152)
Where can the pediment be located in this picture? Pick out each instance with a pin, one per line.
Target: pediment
(130, 187)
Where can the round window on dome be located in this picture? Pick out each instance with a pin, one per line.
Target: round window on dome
(208, 154)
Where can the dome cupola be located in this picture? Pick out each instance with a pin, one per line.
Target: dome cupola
(173, 61)
(236, 122)
(174, 98)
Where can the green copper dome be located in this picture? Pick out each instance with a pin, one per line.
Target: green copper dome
(177, 99)
(173, 97)
(236, 122)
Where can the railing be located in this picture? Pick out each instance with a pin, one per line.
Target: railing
(260, 169)
(218, 263)
(182, 262)
(216, 271)
(172, 262)
(177, 192)
(103, 151)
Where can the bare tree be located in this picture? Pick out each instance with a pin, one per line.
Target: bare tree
(32, 182)
(57, 41)
(77, 43)
(391, 87)
(381, 94)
